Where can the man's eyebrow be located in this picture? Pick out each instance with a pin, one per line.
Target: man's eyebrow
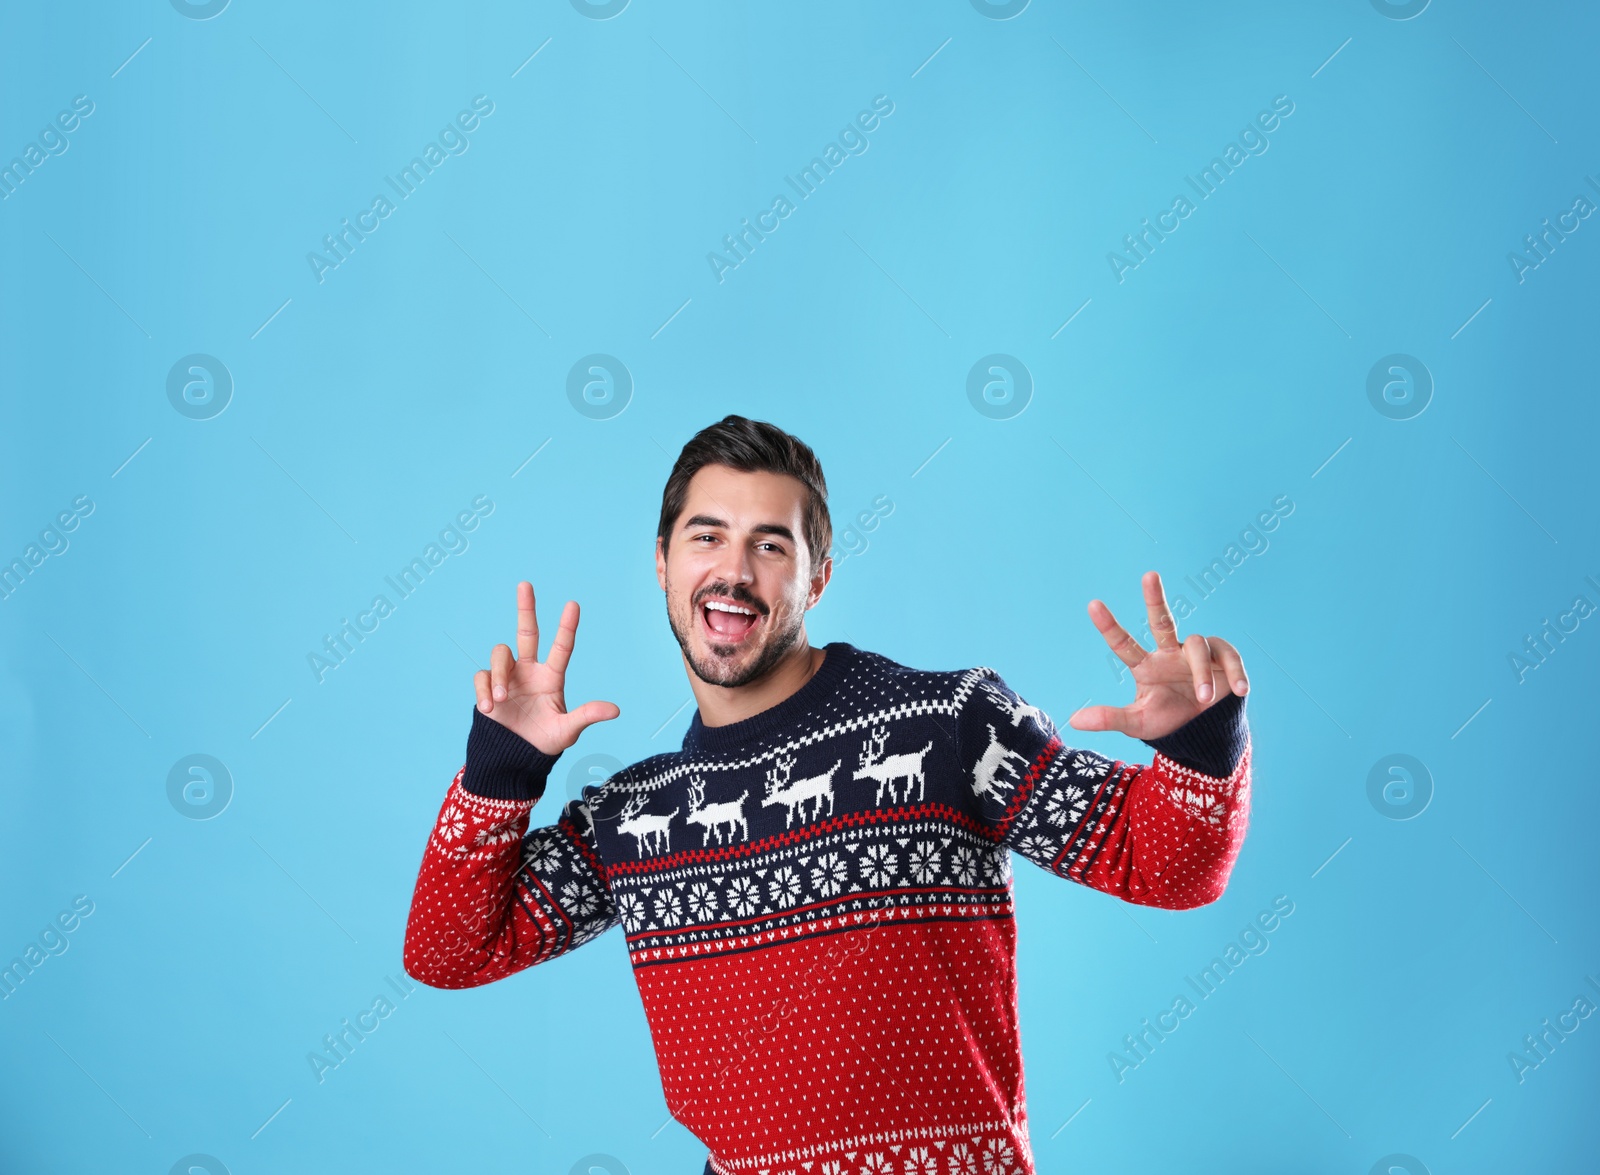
(761, 528)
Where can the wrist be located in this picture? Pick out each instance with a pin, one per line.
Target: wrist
(503, 765)
(1211, 742)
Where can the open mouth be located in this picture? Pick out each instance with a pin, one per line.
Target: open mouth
(727, 621)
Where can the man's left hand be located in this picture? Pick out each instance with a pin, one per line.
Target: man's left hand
(1176, 681)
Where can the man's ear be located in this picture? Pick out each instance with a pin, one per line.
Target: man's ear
(819, 581)
(661, 564)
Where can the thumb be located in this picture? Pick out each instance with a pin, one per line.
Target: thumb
(1100, 718)
(591, 712)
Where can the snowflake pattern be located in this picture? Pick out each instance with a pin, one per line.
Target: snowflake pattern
(962, 1160)
(452, 823)
(579, 899)
(1090, 765)
(925, 862)
(667, 908)
(744, 897)
(878, 865)
(1067, 804)
(963, 864)
(829, 874)
(784, 886)
(702, 902)
(631, 908)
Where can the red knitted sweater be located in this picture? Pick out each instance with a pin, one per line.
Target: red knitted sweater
(817, 901)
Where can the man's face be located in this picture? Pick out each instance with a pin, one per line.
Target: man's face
(739, 543)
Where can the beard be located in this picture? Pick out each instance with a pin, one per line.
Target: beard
(777, 642)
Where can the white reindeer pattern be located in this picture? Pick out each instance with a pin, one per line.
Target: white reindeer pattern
(714, 816)
(652, 832)
(1018, 712)
(996, 758)
(780, 790)
(907, 766)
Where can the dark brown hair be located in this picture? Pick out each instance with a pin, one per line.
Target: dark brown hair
(752, 446)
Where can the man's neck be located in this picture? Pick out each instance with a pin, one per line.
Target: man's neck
(722, 705)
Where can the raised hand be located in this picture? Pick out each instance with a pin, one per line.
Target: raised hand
(1175, 682)
(526, 695)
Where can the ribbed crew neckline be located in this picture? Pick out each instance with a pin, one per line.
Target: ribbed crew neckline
(841, 657)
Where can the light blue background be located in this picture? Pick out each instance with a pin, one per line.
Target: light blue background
(1174, 407)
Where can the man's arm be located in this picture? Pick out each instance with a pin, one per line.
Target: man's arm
(1162, 834)
(493, 897)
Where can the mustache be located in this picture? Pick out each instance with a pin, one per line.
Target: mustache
(739, 595)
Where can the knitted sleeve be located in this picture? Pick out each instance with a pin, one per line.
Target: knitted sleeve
(1164, 834)
(492, 896)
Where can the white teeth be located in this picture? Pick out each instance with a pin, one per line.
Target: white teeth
(721, 607)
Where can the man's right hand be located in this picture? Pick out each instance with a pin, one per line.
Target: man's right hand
(526, 695)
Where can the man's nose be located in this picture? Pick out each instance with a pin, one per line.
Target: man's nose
(735, 564)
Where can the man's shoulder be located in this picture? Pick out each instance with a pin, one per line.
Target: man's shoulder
(951, 684)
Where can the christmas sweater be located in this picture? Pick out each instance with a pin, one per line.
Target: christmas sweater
(817, 900)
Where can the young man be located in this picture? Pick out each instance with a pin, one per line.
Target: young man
(816, 889)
